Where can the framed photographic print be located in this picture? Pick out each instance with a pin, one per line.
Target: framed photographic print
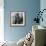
(17, 19)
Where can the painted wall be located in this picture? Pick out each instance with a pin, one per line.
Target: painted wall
(30, 7)
(43, 6)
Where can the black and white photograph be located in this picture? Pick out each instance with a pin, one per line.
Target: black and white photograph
(17, 18)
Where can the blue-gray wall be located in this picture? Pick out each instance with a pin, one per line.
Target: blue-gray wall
(43, 6)
(30, 7)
